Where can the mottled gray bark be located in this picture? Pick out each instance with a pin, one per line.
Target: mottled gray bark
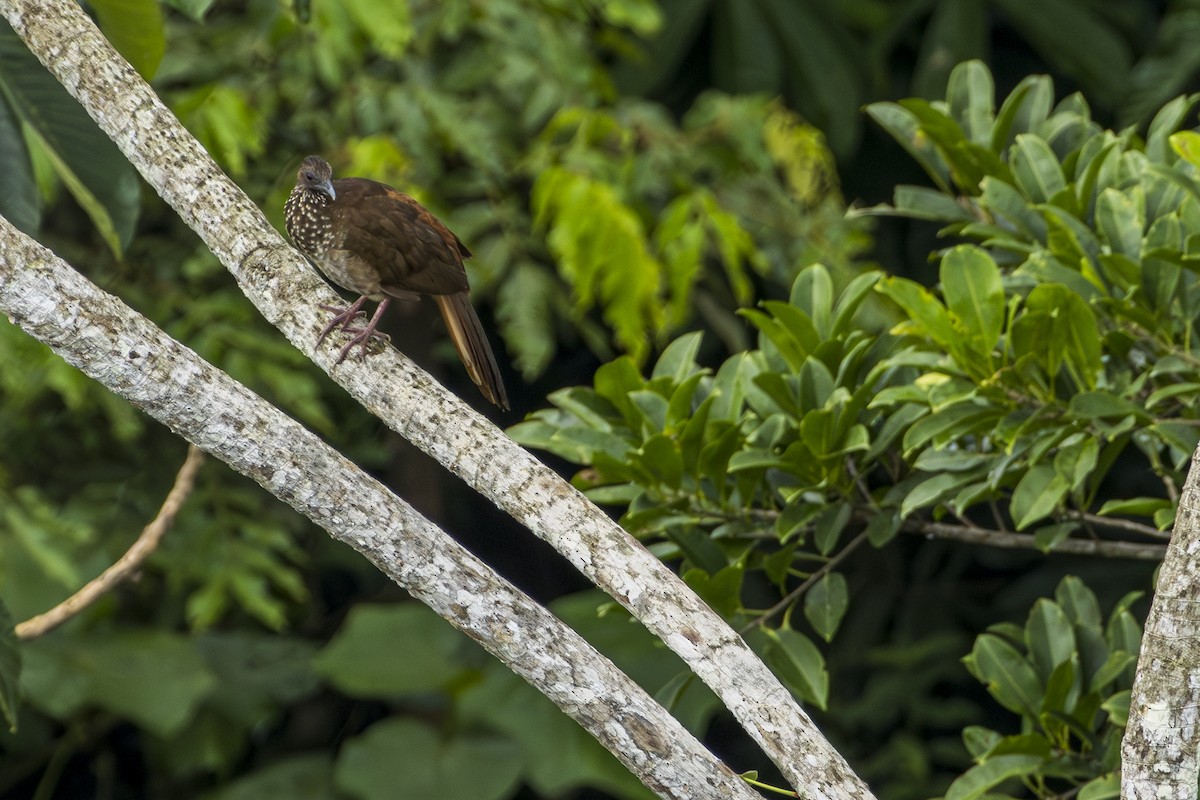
(1158, 754)
(287, 293)
(110, 342)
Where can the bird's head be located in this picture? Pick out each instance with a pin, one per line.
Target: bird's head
(315, 175)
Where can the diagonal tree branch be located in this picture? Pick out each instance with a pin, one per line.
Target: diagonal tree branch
(287, 293)
(110, 342)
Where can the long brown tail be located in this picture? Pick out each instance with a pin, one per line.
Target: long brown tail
(471, 342)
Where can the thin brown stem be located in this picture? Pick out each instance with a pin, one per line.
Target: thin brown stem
(128, 563)
(796, 593)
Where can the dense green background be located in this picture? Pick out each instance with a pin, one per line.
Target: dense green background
(627, 172)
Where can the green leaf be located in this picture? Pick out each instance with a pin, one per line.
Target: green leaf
(828, 526)
(1059, 331)
(18, 189)
(1117, 707)
(1048, 637)
(921, 306)
(372, 653)
(825, 604)
(93, 169)
(661, 459)
(1025, 108)
(970, 94)
(1078, 601)
(1135, 507)
(1101, 788)
(401, 752)
(1009, 677)
(1120, 222)
(678, 360)
(154, 678)
(722, 591)
(135, 28)
(902, 125)
(812, 293)
(920, 202)
(1105, 405)
(883, 527)
(975, 295)
(1037, 495)
(799, 664)
(1036, 169)
(978, 780)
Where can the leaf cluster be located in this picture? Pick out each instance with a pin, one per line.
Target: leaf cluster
(1067, 674)
(1055, 353)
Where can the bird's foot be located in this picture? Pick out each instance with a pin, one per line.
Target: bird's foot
(359, 336)
(343, 317)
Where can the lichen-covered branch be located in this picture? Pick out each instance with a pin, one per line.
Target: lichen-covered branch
(1159, 752)
(110, 342)
(287, 293)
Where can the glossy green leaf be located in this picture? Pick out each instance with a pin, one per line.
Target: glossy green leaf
(1078, 601)
(979, 740)
(1037, 494)
(1120, 222)
(1009, 677)
(799, 664)
(1049, 637)
(970, 94)
(1025, 108)
(1137, 506)
(919, 202)
(825, 604)
(981, 778)
(678, 360)
(1036, 168)
(974, 294)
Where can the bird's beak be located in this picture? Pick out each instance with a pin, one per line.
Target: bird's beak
(327, 188)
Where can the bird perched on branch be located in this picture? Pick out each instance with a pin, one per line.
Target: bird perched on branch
(374, 240)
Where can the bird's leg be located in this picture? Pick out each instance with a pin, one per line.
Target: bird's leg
(361, 336)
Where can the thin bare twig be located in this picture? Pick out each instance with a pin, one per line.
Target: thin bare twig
(125, 566)
(1124, 525)
(1083, 547)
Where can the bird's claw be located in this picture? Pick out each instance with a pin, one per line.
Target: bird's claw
(361, 337)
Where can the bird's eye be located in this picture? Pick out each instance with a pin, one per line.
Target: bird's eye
(308, 176)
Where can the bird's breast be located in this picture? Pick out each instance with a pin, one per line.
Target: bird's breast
(350, 272)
